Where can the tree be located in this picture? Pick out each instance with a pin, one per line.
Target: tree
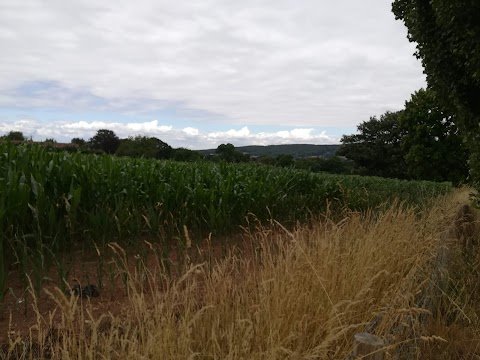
(182, 154)
(78, 141)
(447, 34)
(148, 147)
(228, 153)
(377, 146)
(15, 136)
(284, 160)
(105, 140)
(433, 148)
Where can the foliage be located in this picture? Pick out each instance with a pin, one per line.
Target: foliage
(284, 160)
(333, 165)
(148, 147)
(377, 146)
(420, 142)
(14, 136)
(105, 140)
(78, 141)
(371, 267)
(182, 154)
(296, 150)
(228, 153)
(447, 34)
(433, 149)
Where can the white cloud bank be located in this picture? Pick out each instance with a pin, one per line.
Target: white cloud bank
(189, 137)
(309, 63)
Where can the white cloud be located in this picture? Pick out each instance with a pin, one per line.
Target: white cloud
(188, 137)
(191, 131)
(264, 62)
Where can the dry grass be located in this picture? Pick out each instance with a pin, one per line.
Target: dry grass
(291, 295)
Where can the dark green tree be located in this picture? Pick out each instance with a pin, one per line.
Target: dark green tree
(447, 34)
(433, 148)
(284, 160)
(148, 147)
(15, 136)
(182, 154)
(228, 153)
(105, 140)
(378, 146)
(78, 141)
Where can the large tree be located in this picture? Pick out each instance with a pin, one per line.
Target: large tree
(228, 153)
(15, 136)
(148, 147)
(447, 34)
(377, 146)
(433, 148)
(105, 140)
(419, 142)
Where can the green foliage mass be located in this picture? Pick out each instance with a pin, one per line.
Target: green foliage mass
(296, 150)
(447, 35)
(63, 194)
(377, 146)
(14, 136)
(105, 140)
(433, 148)
(143, 146)
(420, 142)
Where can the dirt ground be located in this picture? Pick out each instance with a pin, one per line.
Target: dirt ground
(18, 316)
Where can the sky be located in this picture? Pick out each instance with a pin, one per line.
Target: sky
(200, 73)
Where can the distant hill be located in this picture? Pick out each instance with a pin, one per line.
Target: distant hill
(296, 150)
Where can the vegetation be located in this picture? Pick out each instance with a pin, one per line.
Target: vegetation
(287, 295)
(418, 142)
(142, 146)
(377, 146)
(51, 200)
(14, 136)
(296, 150)
(447, 34)
(432, 146)
(105, 140)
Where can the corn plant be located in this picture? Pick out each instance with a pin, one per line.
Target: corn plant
(54, 202)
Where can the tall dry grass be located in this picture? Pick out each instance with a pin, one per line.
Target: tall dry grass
(287, 295)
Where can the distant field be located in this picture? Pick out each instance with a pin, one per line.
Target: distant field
(296, 150)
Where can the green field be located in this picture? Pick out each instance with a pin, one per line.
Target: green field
(49, 200)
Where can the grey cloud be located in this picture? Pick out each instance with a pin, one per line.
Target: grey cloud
(277, 62)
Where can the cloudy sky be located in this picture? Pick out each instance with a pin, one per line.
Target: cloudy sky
(199, 73)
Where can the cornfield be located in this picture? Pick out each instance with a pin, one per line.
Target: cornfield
(50, 200)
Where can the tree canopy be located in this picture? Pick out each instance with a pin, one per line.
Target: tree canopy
(447, 34)
(105, 140)
(15, 136)
(419, 142)
(148, 147)
(433, 148)
(377, 146)
(228, 153)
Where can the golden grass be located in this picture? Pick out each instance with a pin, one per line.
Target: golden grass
(291, 295)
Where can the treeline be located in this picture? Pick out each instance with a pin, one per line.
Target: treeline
(420, 142)
(296, 150)
(107, 142)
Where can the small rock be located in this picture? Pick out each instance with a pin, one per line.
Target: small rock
(87, 291)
